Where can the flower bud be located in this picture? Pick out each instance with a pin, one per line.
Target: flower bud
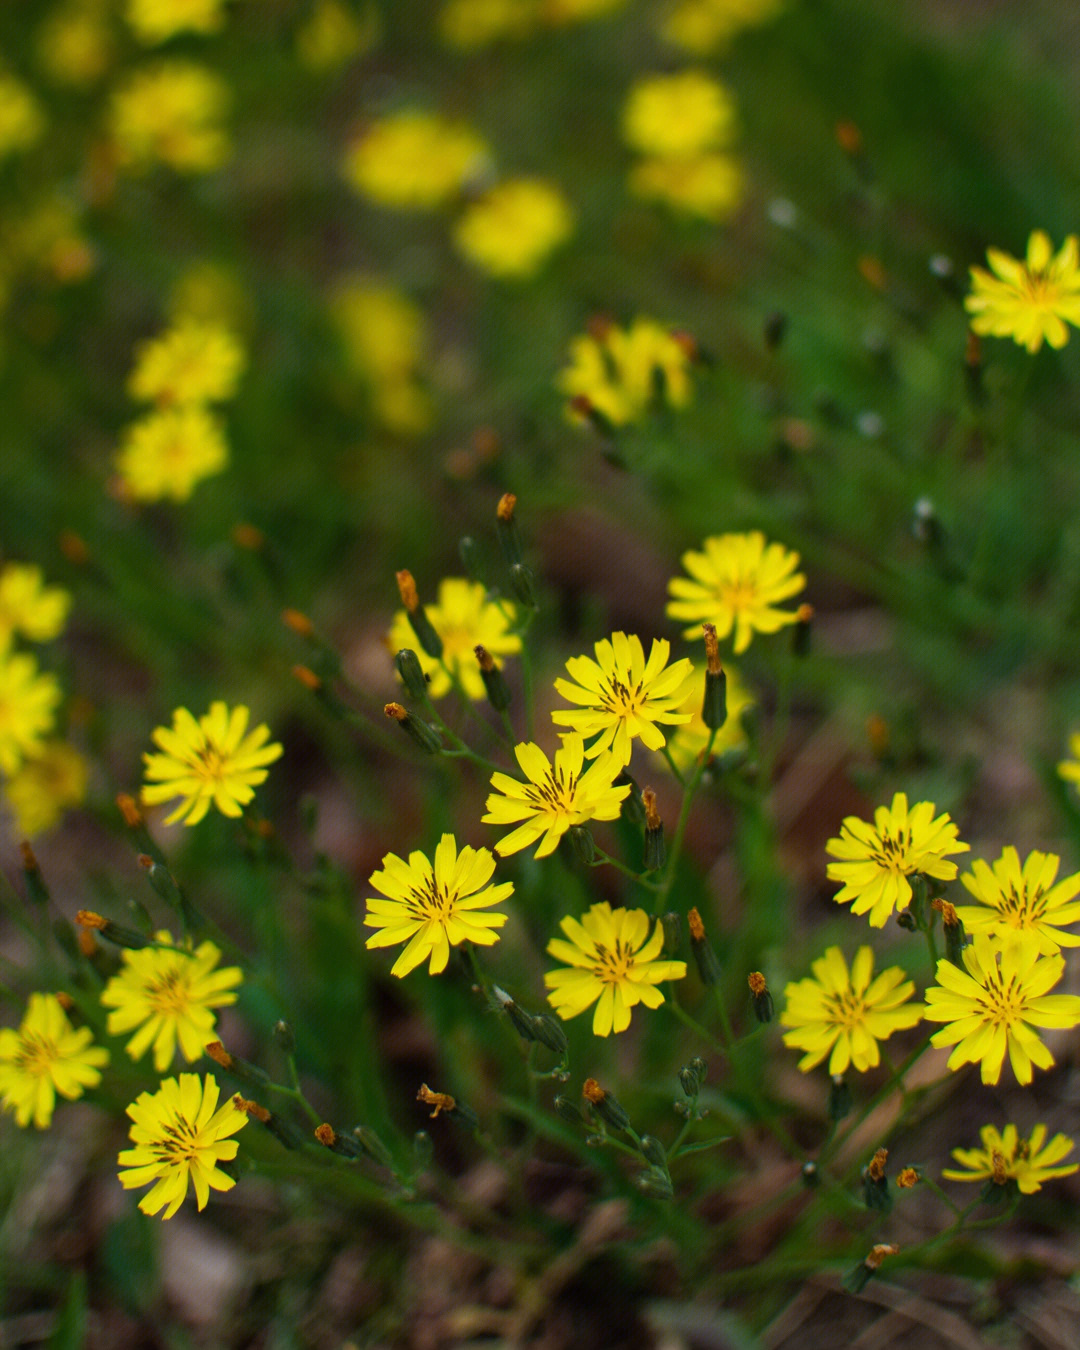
(653, 1151)
(372, 1145)
(762, 999)
(605, 1105)
(283, 1130)
(284, 1037)
(507, 529)
(549, 1033)
(633, 808)
(567, 1109)
(811, 1177)
(800, 634)
(425, 736)
(672, 926)
(407, 664)
(839, 1097)
(689, 1081)
(655, 1182)
(498, 691)
(112, 932)
(655, 852)
(876, 1183)
(423, 1150)
(775, 328)
(36, 890)
(421, 625)
(240, 1069)
(704, 956)
(523, 584)
(856, 1280)
(714, 708)
(953, 928)
(471, 558)
(582, 845)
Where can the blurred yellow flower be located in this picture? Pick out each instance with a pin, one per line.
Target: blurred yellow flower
(28, 700)
(1069, 769)
(171, 113)
(334, 35)
(385, 342)
(43, 788)
(414, 160)
(170, 450)
(49, 238)
(702, 26)
(74, 44)
(678, 116)
(622, 373)
(513, 227)
(46, 1056)
(464, 618)
(708, 185)
(1029, 300)
(192, 362)
(1005, 1157)
(470, 24)
(22, 120)
(29, 607)
(1014, 898)
(154, 21)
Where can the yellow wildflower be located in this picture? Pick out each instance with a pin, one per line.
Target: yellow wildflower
(171, 113)
(169, 451)
(512, 228)
(414, 160)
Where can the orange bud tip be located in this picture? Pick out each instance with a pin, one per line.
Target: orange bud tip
(74, 549)
(407, 590)
(29, 861)
(298, 622)
(687, 344)
(872, 271)
(86, 918)
(906, 1178)
(652, 815)
(307, 678)
(396, 711)
(877, 733)
(87, 942)
(505, 508)
(876, 1168)
(251, 1108)
(973, 351)
(712, 649)
(145, 861)
(947, 910)
(325, 1135)
(248, 536)
(697, 928)
(485, 658)
(65, 1000)
(128, 808)
(217, 1052)
(441, 1101)
(593, 1092)
(879, 1252)
(804, 613)
(756, 981)
(848, 138)
(599, 326)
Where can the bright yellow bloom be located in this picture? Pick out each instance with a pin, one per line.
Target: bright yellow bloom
(736, 583)
(678, 116)
(1030, 300)
(623, 696)
(22, 122)
(464, 618)
(180, 1136)
(470, 24)
(876, 860)
(709, 185)
(28, 606)
(192, 362)
(74, 44)
(333, 35)
(1006, 1157)
(1012, 897)
(702, 26)
(685, 743)
(171, 113)
(211, 762)
(45, 1056)
(1069, 769)
(554, 797)
(28, 702)
(993, 1003)
(624, 372)
(511, 230)
(414, 160)
(165, 994)
(614, 962)
(847, 1014)
(154, 21)
(169, 451)
(433, 907)
(41, 790)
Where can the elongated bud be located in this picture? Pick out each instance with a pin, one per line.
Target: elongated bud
(407, 664)
(425, 736)
(372, 1145)
(423, 1150)
(568, 1110)
(655, 1182)
(633, 808)
(581, 842)
(759, 991)
(856, 1280)
(472, 559)
(283, 1130)
(523, 584)
(36, 890)
(241, 1069)
(973, 369)
(300, 624)
(839, 1097)
(714, 708)
(775, 328)
(672, 926)
(704, 956)
(284, 1038)
(953, 928)
(524, 1023)
(549, 1032)
(426, 635)
(653, 1151)
(507, 529)
(876, 1183)
(164, 883)
(810, 1175)
(136, 824)
(112, 932)
(344, 1145)
(800, 634)
(498, 691)
(442, 1101)
(655, 852)
(605, 1105)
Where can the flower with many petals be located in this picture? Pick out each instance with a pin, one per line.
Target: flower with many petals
(876, 860)
(28, 702)
(172, 113)
(1006, 1157)
(612, 960)
(46, 1056)
(513, 228)
(169, 452)
(1028, 300)
(179, 1136)
(414, 160)
(1014, 898)
(844, 1015)
(192, 362)
(28, 606)
(678, 116)
(464, 618)
(624, 373)
(154, 21)
(432, 906)
(554, 797)
(42, 788)
(709, 185)
(992, 1005)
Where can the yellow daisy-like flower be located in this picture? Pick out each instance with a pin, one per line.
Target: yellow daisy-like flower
(624, 372)
(877, 859)
(702, 26)
(171, 113)
(334, 35)
(28, 606)
(180, 1136)
(1030, 300)
(555, 796)
(993, 1003)
(167, 993)
(28, 702)
(709, 185)
(46, 1056)
(678, 116)
(1069, 769)
(75, 45)
(471, 24)
(193, 362)
(211, 762)
(614, 962)
(844, 1015)
(154, 21)
(464, 618)
(169, 452)
(736, 582)
(43, 788)
(383, 331)
(512, 229)
(22, 121)
(1012, 897)
(414, 160)
(623, 696)
(1006, 1157)
(686, 743)
(432, 907)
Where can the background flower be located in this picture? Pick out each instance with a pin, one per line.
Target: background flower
(1014, 897)
(46, 1056)
(464, 618)
(1030, 300)
(1006, 1157)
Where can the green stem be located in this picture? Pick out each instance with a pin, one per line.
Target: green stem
(663, 890)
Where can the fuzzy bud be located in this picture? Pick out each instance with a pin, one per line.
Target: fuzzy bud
(425, 736)
(498, 691)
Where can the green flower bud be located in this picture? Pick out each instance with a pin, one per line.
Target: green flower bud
(412, 675)
(653, 1151)
(567, 1109)
(581, 842)
(523, 584)
(425, 735)
(839, 1098)
(605, 1105)
(507, 529)
(372, 1145)
(284, 1038)
(549, 1032)
(472, 558)
(656, 1183)
(498, 691)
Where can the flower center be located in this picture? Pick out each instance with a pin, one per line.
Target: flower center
(1003, 1002)
(180, 1143)
(168, 993)
(894, 855)
(211, 761)
(1039, 287)
(613, 964)
(430, 901)
(1021, 907)
(621, 699)
(555, 794)
(739, 595)
(845, 1009)
(36, 1055)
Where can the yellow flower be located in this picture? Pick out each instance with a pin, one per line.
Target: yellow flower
(45, 1056)
(709, 185)
(613, 961)
(1030, 300)
(154, 21)
(28, 702)
(1006, 1157)
(993, 1003)
(28, 606)
(702, 26)
(622, 373)
(464, 618)
(1069, 769)
(414, 160)
(470, 24)
(333, 35)
(167, 992)
(192, 362)
(845, 1015)
(42, 789)
(555, 797)
(169, 451)
(382, 329)
(74, 44)
(1013, 898)
(433, 907)
(171, 113)
(623, 696)
(513, 227)
(685, 743)
(736, 583)
(678, 116)
(180, 1136)
(22, 122)
(210, 762)
(876, 860)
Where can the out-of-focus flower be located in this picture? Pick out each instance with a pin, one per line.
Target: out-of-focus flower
(28, 701)
(171, 113)
(74, 43)
(414, 160)
(155, 21)
(29, 607)
(22, 121)
(43, 788)
(1013, 898)
(1069, 769)
(464, 618)
(192, 362)
(708, 185)
(385, 341)
(168, 452)
(703, 26)
(1006, 1157)
(511, 230)
(471, 24)
(334, 35)
(46, 1056)
(1028, 300)
(678, 116)
(623, 372)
